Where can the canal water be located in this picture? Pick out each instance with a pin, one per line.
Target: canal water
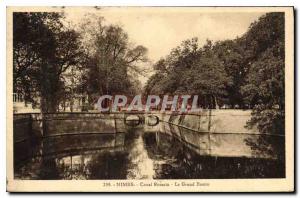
(160, 152)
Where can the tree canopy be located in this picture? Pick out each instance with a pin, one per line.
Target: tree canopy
(112, 61)
(52, 61)
(43, 49)
(247, 71)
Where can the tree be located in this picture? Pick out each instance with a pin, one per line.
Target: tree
(208, 78)
(232, 54)
(154, 84)
(113, 63)
(189, 69)
(30, 36)
(43, 50)
(265, 82)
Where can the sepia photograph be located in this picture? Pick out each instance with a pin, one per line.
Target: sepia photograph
(150, 99)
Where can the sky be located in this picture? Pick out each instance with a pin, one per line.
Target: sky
(161, 29)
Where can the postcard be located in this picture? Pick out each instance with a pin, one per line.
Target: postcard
(150, 99)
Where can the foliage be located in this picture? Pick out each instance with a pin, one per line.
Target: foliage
(191, 70)
(112, 63)
(246, 71)
(43, 50)
(265, 82)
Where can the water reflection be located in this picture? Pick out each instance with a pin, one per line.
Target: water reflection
(159, 152)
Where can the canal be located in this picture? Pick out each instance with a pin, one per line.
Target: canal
(163, 151)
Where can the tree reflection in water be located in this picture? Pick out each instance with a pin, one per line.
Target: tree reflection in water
(171, 153)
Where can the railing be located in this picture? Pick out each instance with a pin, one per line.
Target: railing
(17, 97)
